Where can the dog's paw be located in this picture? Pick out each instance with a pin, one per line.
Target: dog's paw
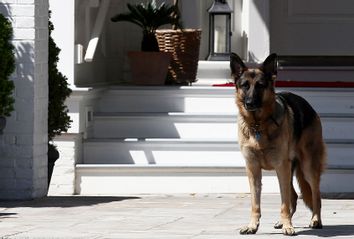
(315, 224)
(248, 230)
(288, 231)
(278, 225)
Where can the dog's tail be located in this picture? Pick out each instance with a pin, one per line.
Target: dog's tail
(305, 187)
(313, 176)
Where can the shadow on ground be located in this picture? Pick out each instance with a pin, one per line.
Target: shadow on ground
(4, 215)
(330, 231)
(65, 201)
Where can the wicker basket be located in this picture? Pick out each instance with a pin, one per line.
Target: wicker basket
(184, 46)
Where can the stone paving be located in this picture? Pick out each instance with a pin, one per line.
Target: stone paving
(162, 216)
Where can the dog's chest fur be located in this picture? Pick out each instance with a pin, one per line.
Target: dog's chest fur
(267, 148)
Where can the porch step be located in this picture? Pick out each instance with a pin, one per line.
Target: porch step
(194, 125)
(164, 99)
(127, 180)
(173, 152)
(184, 140)
(208, 99)
(167, 166)
(213, 72)
(301, 69)
(340, 154)
(165, 125)
(176, 152)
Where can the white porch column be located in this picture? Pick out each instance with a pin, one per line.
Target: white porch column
(256, 21)
(23, 146)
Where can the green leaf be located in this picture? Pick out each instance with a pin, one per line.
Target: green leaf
(150, 16)
(58, 87)
(7, 67)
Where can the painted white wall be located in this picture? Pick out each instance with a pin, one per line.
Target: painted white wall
(317, 27)
(257, 42)
(23, 146)
(195, 15)
(63, 178)
(237, 40)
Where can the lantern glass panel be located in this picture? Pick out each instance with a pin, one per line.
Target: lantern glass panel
(220, 36)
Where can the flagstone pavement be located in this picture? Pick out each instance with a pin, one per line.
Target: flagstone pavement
(163, 216)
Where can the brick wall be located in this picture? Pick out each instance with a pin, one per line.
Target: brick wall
(63, 178)
(23, 146)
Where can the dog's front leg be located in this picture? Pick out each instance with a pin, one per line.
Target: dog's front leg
(284, 177)
(254, 174)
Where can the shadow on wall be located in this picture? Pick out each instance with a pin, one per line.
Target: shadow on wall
(23, 78)
(264, 14)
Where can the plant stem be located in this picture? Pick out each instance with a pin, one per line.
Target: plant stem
(176, 13)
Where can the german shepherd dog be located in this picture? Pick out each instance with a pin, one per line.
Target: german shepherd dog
(281, 132)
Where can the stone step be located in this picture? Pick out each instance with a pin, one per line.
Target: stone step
(193, 125)
(167, 99)
(184, 140)
(165, 125)
(128, 179)
(216, 72)
(213, 72)
(194, 99)
(191, 152)
(162, 152)
(131, 179)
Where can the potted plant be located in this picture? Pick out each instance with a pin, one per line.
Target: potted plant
(7, 66)
(184, 46)
(58, 90)
(148, 67)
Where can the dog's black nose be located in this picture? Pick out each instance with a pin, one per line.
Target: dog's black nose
(250, 104)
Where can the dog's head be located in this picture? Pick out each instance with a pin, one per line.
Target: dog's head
(255, 86)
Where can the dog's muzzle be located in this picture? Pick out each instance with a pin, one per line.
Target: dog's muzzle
(251, 104)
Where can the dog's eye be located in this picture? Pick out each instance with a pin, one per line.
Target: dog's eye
(261, 84)
(245, 85)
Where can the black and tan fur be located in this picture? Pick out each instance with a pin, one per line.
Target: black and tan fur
(281, 132)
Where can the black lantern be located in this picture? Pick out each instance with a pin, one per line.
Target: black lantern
(219, 31)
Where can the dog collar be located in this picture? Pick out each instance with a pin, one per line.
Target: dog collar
(256, 131)
(257, 135)
(276, 118)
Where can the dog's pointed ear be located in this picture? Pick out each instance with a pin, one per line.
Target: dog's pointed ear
(270, 64)
(237, 66)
